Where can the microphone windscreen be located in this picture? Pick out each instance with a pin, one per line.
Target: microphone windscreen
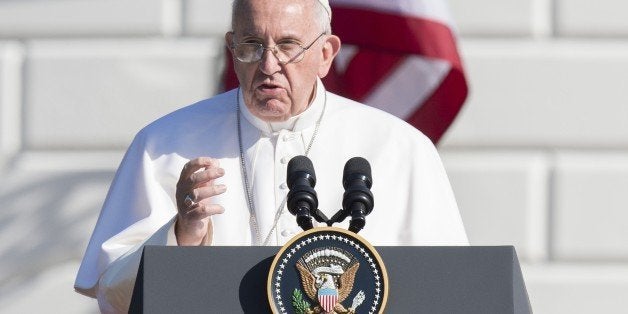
(357, 166)
(297, 166)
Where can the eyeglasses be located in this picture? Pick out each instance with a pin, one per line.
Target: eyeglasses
(285, 52)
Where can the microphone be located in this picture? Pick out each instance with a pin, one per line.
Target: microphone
(357, 200)
(302, 199)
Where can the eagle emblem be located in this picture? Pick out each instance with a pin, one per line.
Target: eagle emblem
(327, 276)
(327, 270)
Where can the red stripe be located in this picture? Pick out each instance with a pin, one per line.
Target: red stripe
(367, 69)
(439, 111)
(395, 33)
(327, 302)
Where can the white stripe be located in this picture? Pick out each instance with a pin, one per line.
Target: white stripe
(327, 302)
(344, 57)
(429, 9)
(412, 82)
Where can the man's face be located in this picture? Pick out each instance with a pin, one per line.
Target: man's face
(273, 91)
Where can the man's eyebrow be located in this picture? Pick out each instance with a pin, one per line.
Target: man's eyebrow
(252, 34)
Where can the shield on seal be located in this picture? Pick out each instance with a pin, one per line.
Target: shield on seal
(327, 298)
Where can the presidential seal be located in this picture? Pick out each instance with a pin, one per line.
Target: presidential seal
(327, 270)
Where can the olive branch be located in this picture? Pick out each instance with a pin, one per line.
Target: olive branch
(300, 306)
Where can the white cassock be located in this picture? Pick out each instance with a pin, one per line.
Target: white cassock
(414, 203)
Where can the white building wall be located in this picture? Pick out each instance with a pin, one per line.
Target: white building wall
(538, 157)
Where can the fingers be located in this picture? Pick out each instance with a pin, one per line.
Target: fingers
(202, 193)
(201, 196)
(196, 164)
(195, 188)
(200, 211)
(198, 178)
(194, 193)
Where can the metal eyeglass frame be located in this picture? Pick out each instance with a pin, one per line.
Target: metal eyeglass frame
(275, 51)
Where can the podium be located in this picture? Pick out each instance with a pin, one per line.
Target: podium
(434, 280)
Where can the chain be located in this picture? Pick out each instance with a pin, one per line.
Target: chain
(245, 177)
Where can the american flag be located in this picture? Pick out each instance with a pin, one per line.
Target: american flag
(399, 56)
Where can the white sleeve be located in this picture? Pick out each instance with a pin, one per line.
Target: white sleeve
(115, 287)
(437, 202)
(139, 203)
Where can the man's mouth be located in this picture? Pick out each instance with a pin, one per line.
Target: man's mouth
(270, 88)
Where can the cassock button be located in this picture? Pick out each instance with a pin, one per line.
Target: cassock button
(283, 186)
(288, 137)
(285, 159)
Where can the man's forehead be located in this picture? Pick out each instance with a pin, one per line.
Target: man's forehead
(284, 18)
(260, 34)
(279, 5)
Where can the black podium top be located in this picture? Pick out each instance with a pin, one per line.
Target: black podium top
(433, 280)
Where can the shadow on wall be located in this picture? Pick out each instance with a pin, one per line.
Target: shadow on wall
(46, 218)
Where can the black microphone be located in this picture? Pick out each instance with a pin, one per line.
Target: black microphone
(302, 199)
(357, 200)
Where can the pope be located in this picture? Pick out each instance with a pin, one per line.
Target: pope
(213, 173)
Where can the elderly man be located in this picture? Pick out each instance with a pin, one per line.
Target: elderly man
(214, 173)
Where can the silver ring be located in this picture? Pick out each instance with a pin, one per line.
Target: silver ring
(188, 201)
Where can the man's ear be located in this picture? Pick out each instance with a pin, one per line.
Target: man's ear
(331, 47)
(229, 40)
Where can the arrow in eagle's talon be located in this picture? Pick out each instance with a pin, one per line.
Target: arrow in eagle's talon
(357, 300)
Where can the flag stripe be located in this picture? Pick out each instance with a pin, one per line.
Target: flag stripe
(432, 9)
(411, 35)
(440, 110)
(328, 301)
(412, 82)
(355, 84)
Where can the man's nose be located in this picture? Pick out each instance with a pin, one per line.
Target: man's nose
(269, 63)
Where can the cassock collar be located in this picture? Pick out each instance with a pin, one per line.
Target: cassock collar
(297, 123)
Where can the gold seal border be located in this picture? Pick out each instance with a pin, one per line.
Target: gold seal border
(363, 241)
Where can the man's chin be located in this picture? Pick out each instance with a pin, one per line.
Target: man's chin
(273, 117)
(273, 112)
